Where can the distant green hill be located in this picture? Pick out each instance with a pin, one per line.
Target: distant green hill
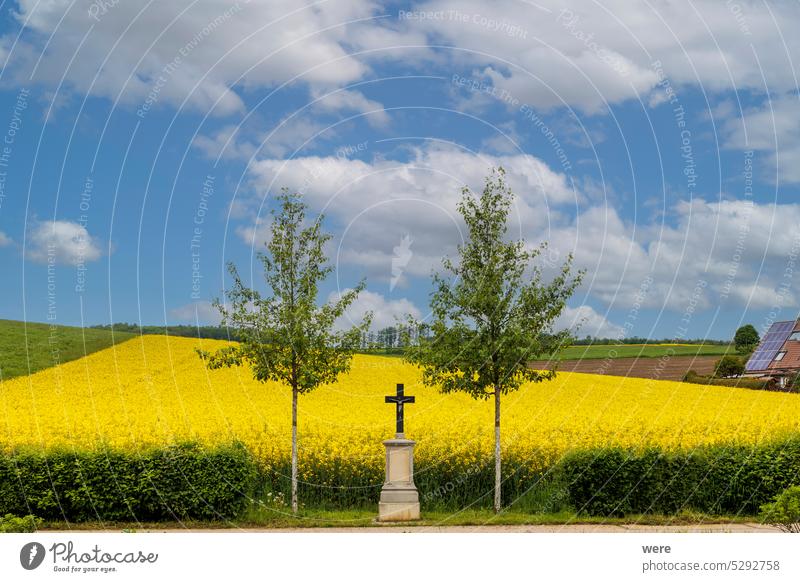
(27, 348)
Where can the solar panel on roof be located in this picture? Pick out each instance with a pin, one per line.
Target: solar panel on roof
(769, 347)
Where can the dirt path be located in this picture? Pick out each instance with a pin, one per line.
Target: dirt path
(569, 528)
(665, 368)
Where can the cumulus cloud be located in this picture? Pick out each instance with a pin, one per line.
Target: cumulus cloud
(385, 312)
(587, 54)
(224, 143)
(720, 247)
(585, 320)
(772, 128)
(198, 312)
(194, 54)
(242, 142)
(348, 100)
(377, 204)
(5, 240)
(257, 234)
(763, 295)
(547, 54)
(62, 242)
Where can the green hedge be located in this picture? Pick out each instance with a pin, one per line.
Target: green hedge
(693, 377)
(716, 480)
(176, 482)
(190, 482)
(442, 486)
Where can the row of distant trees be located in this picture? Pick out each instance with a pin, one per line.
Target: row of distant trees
(398, 337)
(393, 337)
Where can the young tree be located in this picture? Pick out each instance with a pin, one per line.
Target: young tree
(728, 366)
(746, 339)
(285, 336)
(496, 315)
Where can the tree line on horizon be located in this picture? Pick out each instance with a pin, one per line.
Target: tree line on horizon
(393, 337)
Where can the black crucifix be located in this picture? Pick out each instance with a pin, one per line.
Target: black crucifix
(399, 400)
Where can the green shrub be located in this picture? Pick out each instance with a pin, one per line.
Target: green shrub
(784, 512)
(176, 482)
(13, 524)
(728, 367)
(715, 480)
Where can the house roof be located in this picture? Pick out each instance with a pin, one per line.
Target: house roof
(779, 350)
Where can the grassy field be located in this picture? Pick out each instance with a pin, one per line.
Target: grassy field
(601, 352)
(27, 348)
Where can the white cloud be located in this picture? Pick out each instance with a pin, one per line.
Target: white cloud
(5, 240)
(289, 137)
(198, 312)
(190, 53)
(385, 312)
(547, 54)
(225, 144)
(62, 242)
(376, 204)
(772, 128)
(764, 295)
(292, 136)
(587, 54)
(705, 252)
(709, 252)
(257, 234)
(584, 320)
(348, 100)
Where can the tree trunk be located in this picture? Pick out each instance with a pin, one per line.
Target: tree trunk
(294, 450)
(497, 473)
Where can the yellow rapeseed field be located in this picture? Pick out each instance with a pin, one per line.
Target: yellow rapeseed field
(153, 390)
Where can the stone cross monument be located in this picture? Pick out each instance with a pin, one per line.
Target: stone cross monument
(399, 497)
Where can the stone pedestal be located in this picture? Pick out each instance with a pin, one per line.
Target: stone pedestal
(399, 497)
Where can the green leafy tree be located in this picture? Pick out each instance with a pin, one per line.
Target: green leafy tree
(746, 339)
(493, 314)
(729, 366)
(286, 336)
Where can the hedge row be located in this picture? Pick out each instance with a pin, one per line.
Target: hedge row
(603, 482)
(693, 377)
(442, 485)
(176, 482)
(715, 480)
(190, 482)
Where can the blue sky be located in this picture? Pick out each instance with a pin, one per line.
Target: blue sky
(143, 146)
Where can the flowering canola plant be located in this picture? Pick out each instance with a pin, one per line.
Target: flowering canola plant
(155, 390)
